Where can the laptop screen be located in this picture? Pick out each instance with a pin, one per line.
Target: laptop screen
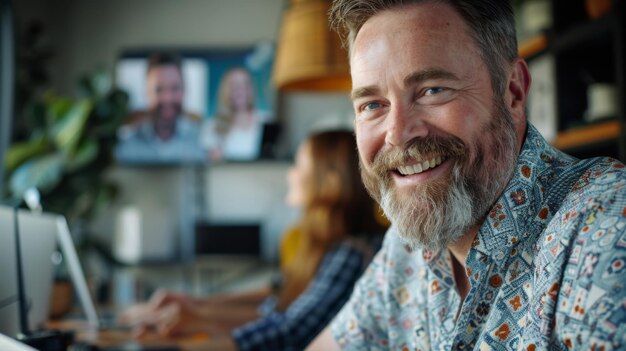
(37, 242)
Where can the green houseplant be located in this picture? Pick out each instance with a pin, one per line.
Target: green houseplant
(62, 146)
(69, 149)
(65, 155)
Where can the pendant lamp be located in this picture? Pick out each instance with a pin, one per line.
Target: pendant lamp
(309, 55)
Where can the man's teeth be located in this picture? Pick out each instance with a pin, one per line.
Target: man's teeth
(420, 167)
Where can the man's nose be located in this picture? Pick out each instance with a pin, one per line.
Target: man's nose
(404, 124)
(168, 96)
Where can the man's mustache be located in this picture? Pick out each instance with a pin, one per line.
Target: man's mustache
(158, 109)
(421, 148)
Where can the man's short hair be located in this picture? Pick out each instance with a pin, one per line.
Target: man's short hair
(164, 59)
(491, 23)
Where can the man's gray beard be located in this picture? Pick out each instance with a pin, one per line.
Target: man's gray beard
(157, 112)
(437, 214)
(429, 221)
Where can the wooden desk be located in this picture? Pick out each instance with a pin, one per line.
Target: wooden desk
(203, 277)
(120, 337)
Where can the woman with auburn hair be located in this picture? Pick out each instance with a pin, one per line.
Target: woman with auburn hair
(236, 130)
(325, 182)
(334, 240)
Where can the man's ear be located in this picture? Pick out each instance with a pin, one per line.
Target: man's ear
(517, 91)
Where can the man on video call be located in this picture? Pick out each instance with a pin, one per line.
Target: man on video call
(499, 241)
(163, 133)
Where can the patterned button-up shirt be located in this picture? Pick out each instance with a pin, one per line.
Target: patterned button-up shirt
(547, 270)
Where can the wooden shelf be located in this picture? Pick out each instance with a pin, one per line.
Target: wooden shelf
(583, 35)
(575, 37)
(588, 135)
(533, 46)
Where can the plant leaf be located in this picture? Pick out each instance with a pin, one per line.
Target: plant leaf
(57, 107)
(101, 82)
(68, 130)
(86, 152)
(20, 152)
(43, 173)
(97, 84)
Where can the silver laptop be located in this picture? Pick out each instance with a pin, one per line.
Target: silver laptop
(76, 272)
(38, 237)
(9, 344)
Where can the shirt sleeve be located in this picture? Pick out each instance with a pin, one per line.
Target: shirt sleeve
(361, 323)
(311, 311)
(591, 312)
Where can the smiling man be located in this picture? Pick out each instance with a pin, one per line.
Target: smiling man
(164, 132)
(499, 241)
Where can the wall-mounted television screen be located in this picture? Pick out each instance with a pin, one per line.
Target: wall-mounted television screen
(196, 106)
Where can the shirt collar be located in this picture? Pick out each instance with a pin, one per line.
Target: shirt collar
(147, 130)
(520, 207)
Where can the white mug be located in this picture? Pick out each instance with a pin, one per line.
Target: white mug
(536, 15)
(601, 101)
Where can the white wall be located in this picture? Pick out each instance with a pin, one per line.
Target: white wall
(252, 192)
(171, 200)
(85, 34)
(306, 112)
(96, 31)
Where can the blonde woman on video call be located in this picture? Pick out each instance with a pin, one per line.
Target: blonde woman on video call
(236, 129)
(337, 234)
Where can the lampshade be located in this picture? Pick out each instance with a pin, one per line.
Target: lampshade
(309, 56)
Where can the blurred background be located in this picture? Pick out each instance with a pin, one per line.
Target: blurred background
(73, 94)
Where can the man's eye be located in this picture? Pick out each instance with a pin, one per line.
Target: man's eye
(371, 106)
(433, 91)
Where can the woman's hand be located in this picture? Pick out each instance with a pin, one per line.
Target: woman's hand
(174, 317)
(167, 313)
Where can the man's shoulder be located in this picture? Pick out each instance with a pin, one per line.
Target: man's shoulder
(598, 167)
(192, 117)
(593, 240)
(599, 180)
(592, 217)
(136, 127)
(586, 186)
(592, 204)
(137, 117)
(189, 123)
